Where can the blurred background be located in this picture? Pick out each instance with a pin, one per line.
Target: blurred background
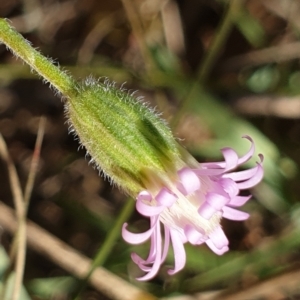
(217, 70)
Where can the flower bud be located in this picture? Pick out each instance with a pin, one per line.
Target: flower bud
(127, 140)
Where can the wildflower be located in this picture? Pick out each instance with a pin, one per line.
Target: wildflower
(191, 208)
(135, 149)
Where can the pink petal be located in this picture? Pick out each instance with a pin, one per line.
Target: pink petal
(144, 195)
(194, 236)
(136, 238)
(241, 175)
(148, 210)
(210, 171)
(206, 210)
(249, 154)
(231, 158)
(217, 201)
(230, 187)
(157, 262)
(165, 198)
(239, 200)
(153, 239)
(166, 244)
(214, 165)
(221, 251)
(254, 180)
(234, 214)
(189, 181)
(179, 252)
(219, 238)
(142, 264)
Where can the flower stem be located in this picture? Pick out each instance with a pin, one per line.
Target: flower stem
(221, 36)
(43, 66)
(210, 57)
(106, 248)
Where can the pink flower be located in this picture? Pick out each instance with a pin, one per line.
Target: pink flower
(191, 208)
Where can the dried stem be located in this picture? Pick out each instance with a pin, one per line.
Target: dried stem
(20, 245)
(34, 162)
(19, 242)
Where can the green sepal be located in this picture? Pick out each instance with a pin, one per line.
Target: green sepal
(126, 139)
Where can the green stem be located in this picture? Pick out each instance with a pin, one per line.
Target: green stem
(43, 66)
(219, 40)
(106, 247)
(210, 57)
(113, 235)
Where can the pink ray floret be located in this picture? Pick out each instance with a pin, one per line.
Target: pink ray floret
(191, 210)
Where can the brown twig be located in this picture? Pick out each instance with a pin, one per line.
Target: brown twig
(274, 54)
(19, 242)
(72, 261)
(13, 178)
(18, 247)
(45, 19)
(96, 35)
(269, 105)
(172, 26)
(276, 288)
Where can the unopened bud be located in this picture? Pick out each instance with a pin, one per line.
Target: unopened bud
(126, 139)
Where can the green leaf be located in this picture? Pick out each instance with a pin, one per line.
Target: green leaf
(4, 261)
(52, 287)
(9, 289)
(251, 28)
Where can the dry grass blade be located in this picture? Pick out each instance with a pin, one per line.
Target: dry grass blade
(96, 35)
(275, 54)
(277, 288)
(34, 162)
(20, 248)
(13, 178)
(21, 204)
(172, 26)
(269, 105)
(138, 31)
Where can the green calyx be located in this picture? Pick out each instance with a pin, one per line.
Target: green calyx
(126, 140)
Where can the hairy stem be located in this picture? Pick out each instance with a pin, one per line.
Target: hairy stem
(43, 66)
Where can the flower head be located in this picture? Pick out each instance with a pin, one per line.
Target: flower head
(136, 149)
(191, 207)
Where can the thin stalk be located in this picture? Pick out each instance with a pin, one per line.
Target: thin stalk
(210, 57)
(43, 66)
(34, 163)
(219, 40)
(107, 246)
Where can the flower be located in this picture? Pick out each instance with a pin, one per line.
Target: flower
(132, 146)
(191, 208)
